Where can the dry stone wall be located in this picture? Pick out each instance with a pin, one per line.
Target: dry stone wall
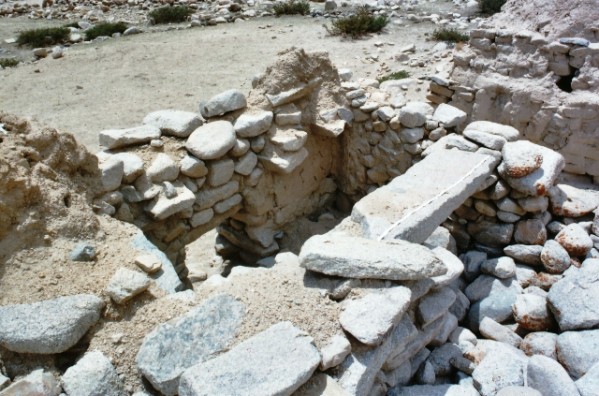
(251, 165)
(547, 89)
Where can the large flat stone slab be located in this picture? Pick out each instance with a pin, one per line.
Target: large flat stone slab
(275, 362)
(362, 258)
(417, 202)
(174, 346)
(50, 326)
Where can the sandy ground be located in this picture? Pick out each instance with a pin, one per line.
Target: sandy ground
(115, 83)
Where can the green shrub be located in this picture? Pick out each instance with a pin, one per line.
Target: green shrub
(8, 62)
(394, 76)
(170, 14)
(43, 37)
(491, 7)
(359, 24)
(292, 7)
(105, 29)
(72, 25)
(452, 35)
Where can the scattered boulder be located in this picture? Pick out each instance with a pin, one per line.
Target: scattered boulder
(93, 374)
(174, 346)
(549, 377)
(277, 361)
(222, 103)
(126, 284)
(578, 351)
(38, 382)
(50, 326)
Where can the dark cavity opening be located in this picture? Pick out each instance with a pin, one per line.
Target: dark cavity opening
(565, 82)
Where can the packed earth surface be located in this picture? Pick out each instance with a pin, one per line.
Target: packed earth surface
(246, 204)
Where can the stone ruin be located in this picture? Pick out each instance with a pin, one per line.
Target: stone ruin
(467, 263)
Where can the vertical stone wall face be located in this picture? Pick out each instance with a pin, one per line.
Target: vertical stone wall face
(522, 79)
(250, 165)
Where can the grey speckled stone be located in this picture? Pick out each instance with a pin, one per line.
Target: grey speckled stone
(574, 299)
(275, 362)
(588, 385)
(371, 317)
(549, 377)
(50, 326)
(37, 382)
(183, 342)
(368, 259)
(93, 374)
(502, 366)
(578, 351)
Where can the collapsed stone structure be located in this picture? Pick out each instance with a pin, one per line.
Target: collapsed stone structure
(460, 230)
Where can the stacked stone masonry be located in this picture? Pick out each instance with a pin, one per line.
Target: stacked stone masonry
(547, 89)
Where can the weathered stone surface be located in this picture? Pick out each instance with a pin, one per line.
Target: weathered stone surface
(220, 172)
(251, 125)
(289, 139)
(334, 352)
(502, 366)
(166, 277)
(554, 257)
(518, 391)
(112, 171)
(497, 306)
(505, 131)
(434, 305)
(320, 385)
(487, 140)
(574, 300)
(163, 168)
(50, 326)
(575, 240)
(502, 267)
(133, 166)
(485, 285)
(209, 197)
(491, 234)
(38, 382)
(411, 135)
(520, 159)
(540, 343)
(246, 164)
(569, 201)
(414, 114)
(193, 167)
(116, 138)
(588, 385)
(454, 266)
(222, 103)
(126, 284)
(162, 206)
(549, 377)
(293, 94)
(275, 362)
(449, 116)
(434, 390)
(174, 346)
(541, 180)
(93, 374)
(534, 204)
(414, 204)
(578, 351)
(174, 122)
(531, 312)
(358, 371)
(367, 259)
(279, 161)
(530, 232)
(493, 330)
(212, 140)
(527, 254)
(370, 318)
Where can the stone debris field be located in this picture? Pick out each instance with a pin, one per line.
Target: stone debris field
(357, 236)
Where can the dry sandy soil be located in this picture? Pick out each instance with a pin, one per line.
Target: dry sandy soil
(115, 83)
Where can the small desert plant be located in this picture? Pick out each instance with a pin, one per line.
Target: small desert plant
(72, 25)
(292, 7)
(359, 24)
(170, 14)
(105, 29)
(43, 37)
(490, 7)
(8, 62)
(394, 76)
(452, 35)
